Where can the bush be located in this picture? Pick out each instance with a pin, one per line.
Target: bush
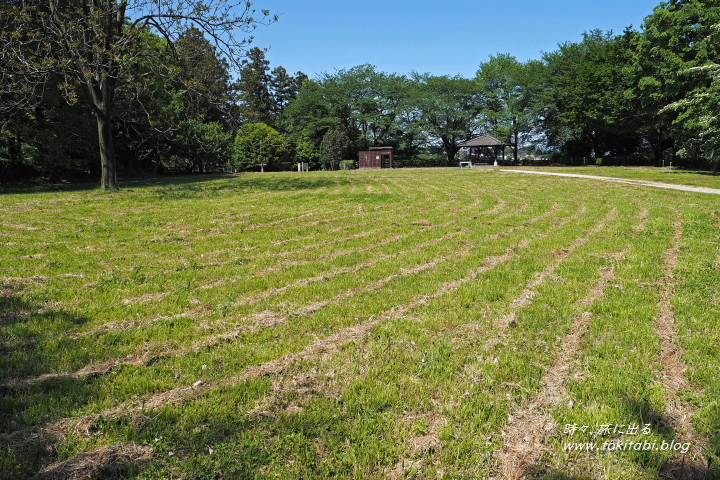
(347, 164)
(531, 161)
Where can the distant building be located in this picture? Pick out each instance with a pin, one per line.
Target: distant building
(376, 157)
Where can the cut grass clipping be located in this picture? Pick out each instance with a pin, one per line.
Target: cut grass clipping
(377, 324)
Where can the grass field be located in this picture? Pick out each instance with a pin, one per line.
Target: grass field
(360, 324)
(697, 178)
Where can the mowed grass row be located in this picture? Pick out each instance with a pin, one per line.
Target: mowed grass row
(179, 327)
(400, 352)
(220, 301)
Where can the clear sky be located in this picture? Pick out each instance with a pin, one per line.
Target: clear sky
(446, 37)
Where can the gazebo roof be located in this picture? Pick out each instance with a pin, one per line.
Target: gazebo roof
(483, 141)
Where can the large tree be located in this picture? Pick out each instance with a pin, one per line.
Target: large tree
(509, 90)
(164, 121)
(450, 107)
(309, 116)
(92, 45)
(256, 102)
(264, 94)
(586, 104)
(677, 41)
(370, 107)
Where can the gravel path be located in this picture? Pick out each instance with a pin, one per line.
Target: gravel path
(646, 183)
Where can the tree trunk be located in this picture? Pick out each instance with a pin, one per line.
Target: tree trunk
(451, 149)
(107, 152)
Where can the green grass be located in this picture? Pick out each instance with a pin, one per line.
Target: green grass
(376, 324)
(697, 178)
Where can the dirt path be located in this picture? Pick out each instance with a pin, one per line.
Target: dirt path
(644, 183)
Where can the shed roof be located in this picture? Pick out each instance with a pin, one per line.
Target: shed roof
(483, 141)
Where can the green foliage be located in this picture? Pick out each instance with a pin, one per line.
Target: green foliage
(697, 116)
(202, 78)
(53, 141)
(372, 108)
(253, 85)
(94, 48)
(450, 107)
(264, 95)
(509, 89)
(258, 143)
(306, 151)
(179, 121)
(208, 146)
(347, 164)
(586, 107)
(308, 117)
(641, 96)
(334, 147)
(677, 41)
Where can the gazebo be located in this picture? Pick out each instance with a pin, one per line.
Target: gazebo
(479, 145)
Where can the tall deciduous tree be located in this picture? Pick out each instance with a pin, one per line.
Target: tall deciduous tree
(450, 109)
(586, 103)
(309, 116)
(509, 89)
(90, 43)
(678, 39)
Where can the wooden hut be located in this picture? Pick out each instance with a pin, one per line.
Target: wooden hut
(376, 157)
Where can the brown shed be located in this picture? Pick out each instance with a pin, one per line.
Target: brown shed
(376, 157)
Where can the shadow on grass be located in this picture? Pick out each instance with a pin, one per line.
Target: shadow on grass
(25, 407)
(95, 186)
(267, 182)
(194, 185)
(29, 331)
(691, 466)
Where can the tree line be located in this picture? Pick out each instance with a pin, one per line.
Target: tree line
(154, 94)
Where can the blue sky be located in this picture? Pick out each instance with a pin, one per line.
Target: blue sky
(440, 37)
